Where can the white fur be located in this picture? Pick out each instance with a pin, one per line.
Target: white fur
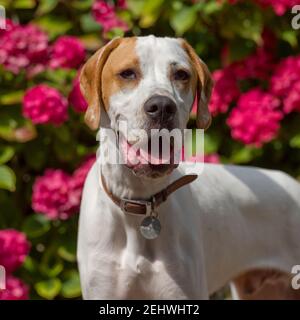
(155, 56)
(231, 219)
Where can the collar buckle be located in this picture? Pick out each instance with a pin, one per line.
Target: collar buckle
(147, 204)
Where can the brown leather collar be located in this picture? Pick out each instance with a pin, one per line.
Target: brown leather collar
(144, 207)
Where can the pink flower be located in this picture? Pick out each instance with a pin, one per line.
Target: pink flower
(256, 118)
(14, 248)
(67, 52)
(292, 101)
(52, 195)
(208, 158)
(43, 104)
(15, 289)
(9, 25)
(23, 47)
(225, 90)
(212, 158)
(80, 175)
(104, 13)
(279, 6)
(57, 194)
(122, 4)
(259, 64)
(285, 75)
(76, 98)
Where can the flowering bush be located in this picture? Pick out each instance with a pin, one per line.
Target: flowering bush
(46, 150)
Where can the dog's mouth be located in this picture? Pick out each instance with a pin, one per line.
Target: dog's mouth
(153, 157)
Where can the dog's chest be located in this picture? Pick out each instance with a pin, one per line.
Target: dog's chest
(125, 276)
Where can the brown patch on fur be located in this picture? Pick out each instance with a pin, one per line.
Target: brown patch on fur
(265, 285)
(90, 82)
(122, 58)
(204, 84)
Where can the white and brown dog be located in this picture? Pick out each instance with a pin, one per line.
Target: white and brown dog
(233, 223)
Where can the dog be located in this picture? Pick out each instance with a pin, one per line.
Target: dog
(232, 224)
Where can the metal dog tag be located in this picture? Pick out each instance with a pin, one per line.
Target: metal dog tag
(150, 228)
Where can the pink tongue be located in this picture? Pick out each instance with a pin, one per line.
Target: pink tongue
(134, 155)
(155, 158)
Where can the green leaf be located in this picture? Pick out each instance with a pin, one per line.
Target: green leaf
(59, 77)
(246, 23)
(51, 265)
(82, 4)
(54, 25)
(24, 4)
(71, 287)
(6, 153)
(30, 265)
(91, 42)
(48, 289)
(10, 98)
(136, 7)
(212, 7)
(211, 143)
(88, 24)
(183, 20)
(244, 155)
(240, 49)
(14, 127)
(7, 178)
(290, 36)
(67, 250)
(295, 142)
(150, 12)
(36, 225)
(46, 6)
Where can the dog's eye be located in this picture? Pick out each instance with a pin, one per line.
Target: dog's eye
(181, 75)
(128, 74)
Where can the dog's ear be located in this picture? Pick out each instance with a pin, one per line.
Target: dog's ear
(204, 87)
(90, 83)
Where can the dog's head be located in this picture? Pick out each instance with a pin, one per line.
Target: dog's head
(149, 82)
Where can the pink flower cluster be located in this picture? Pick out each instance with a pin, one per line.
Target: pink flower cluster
(104, 13)
(256, 66)
(14, 248)
(76, 98)
(67, 52)
(16, 289)
(279, 6)
(22, 47)
(57, 194)
(26, 47)
(256, 118)
(285, 83)
(43, 104)
(225, 90)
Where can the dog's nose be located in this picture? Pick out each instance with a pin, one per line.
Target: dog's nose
(160, 108)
